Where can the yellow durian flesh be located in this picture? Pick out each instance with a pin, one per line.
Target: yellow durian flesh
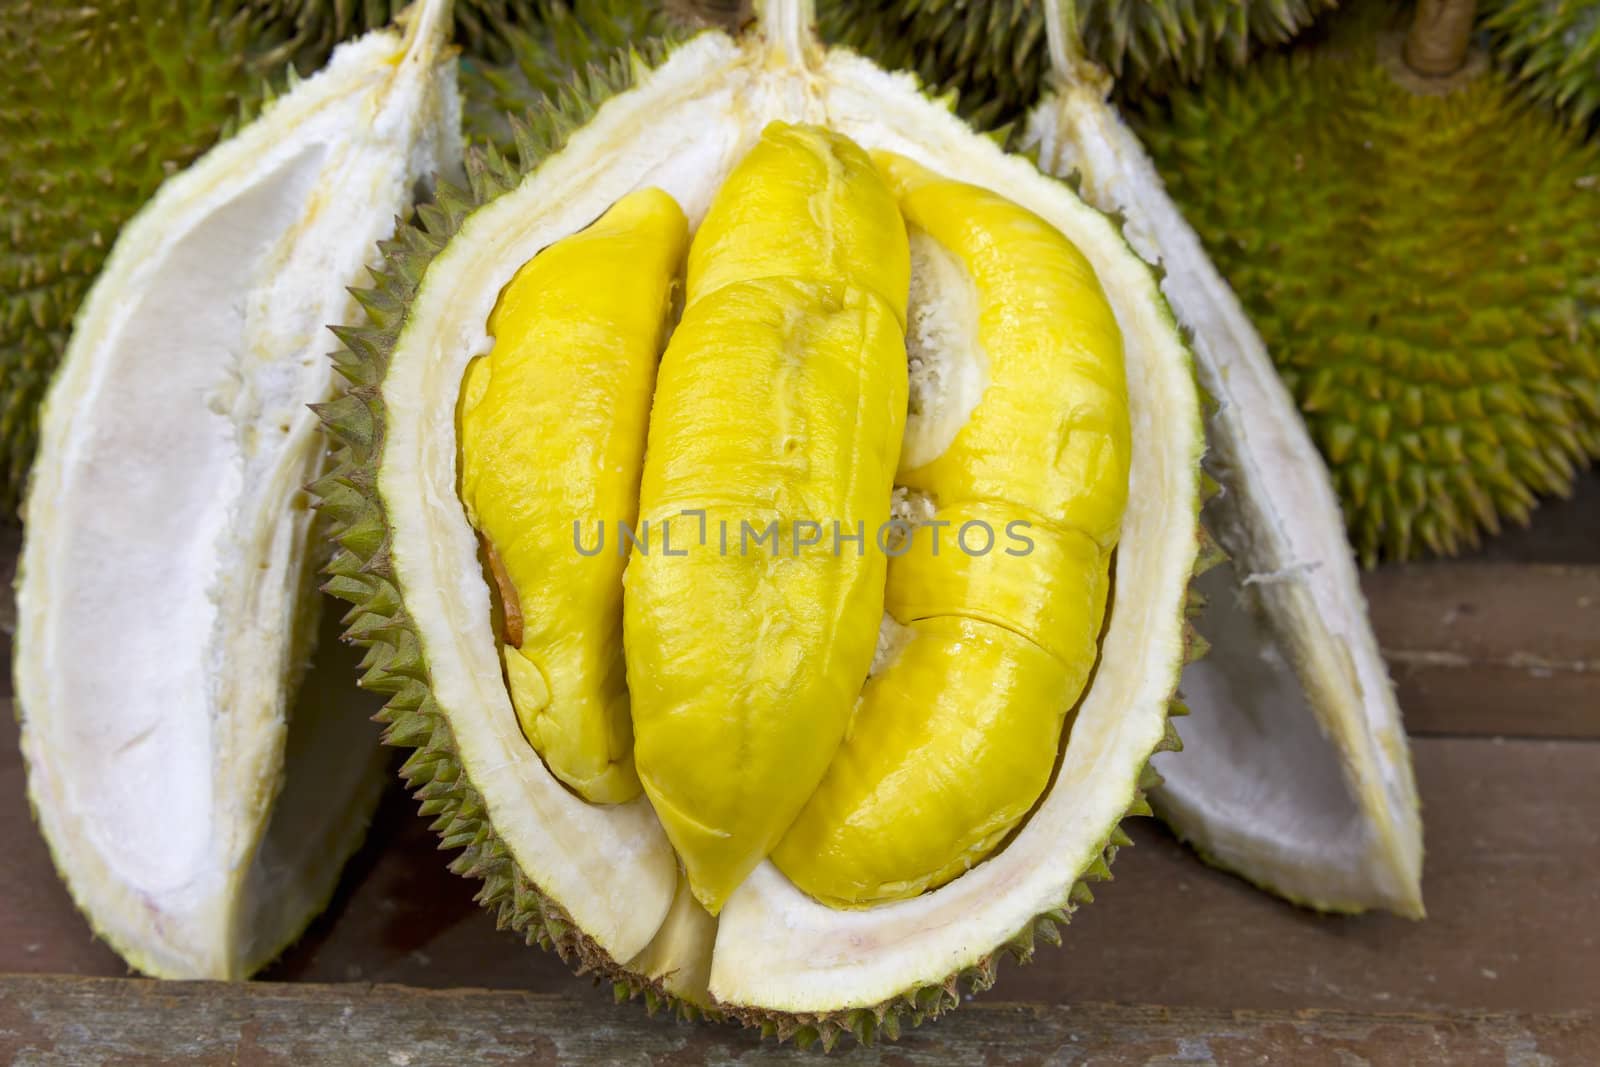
(781, 400)
(955, 738)
(778, 415)
(553, 423)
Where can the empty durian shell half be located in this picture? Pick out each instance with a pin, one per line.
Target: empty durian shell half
(600, 883)
(166, 599)
(1296, 772)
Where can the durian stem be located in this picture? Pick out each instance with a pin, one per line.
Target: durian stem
(1068, 65)
(1061, 35)
(789, 26)
(429, 27)
(1441, 32)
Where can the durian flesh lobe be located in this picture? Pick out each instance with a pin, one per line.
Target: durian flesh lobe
(780, 400)
(601, 882)
(166, 527)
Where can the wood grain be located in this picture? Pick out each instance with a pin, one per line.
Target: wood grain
(1512, 882)
(42, 1023)
(1492, 648)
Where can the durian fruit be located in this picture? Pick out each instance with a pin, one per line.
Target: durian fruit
(995, 52)
(884, 318)
(1450, 367)
(1553, 47)
(166, 596)
(81, 154)
(1295, 772)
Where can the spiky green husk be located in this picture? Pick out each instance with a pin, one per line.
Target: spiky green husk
(324, 23)
(361, 573)
(1422, 268)
(995, 52)
(102, 103)
(535, 54)
(1553, 47)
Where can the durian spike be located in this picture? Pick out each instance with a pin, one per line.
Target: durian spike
(1296, 773)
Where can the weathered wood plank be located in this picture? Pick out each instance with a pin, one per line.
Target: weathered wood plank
(1512, 884)
(85, 1022)
(1492, 648)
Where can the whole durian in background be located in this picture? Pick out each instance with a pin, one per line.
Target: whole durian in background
(1553, 47)
(995, 53)
(538, 55)
(101, 102)
(1420, 256)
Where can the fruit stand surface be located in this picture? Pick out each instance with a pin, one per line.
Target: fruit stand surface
(1497, 659)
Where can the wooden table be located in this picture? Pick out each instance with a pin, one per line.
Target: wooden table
(1497, 658)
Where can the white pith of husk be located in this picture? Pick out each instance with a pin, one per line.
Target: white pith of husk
(611, 869)
(1296, 771)
(166, 603)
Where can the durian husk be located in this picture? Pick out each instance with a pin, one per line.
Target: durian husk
(455, 751)
(1298, 775)
(197, 783)
(1552, 47)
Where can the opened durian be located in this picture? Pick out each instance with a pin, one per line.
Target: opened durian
(1450, 366)
(199, 809)
(646, 446)
(995, 52)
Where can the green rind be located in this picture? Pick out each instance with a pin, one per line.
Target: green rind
(1421, 268)
(995, 51)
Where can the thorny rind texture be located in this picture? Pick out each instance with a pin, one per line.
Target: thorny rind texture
(1434, 310)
